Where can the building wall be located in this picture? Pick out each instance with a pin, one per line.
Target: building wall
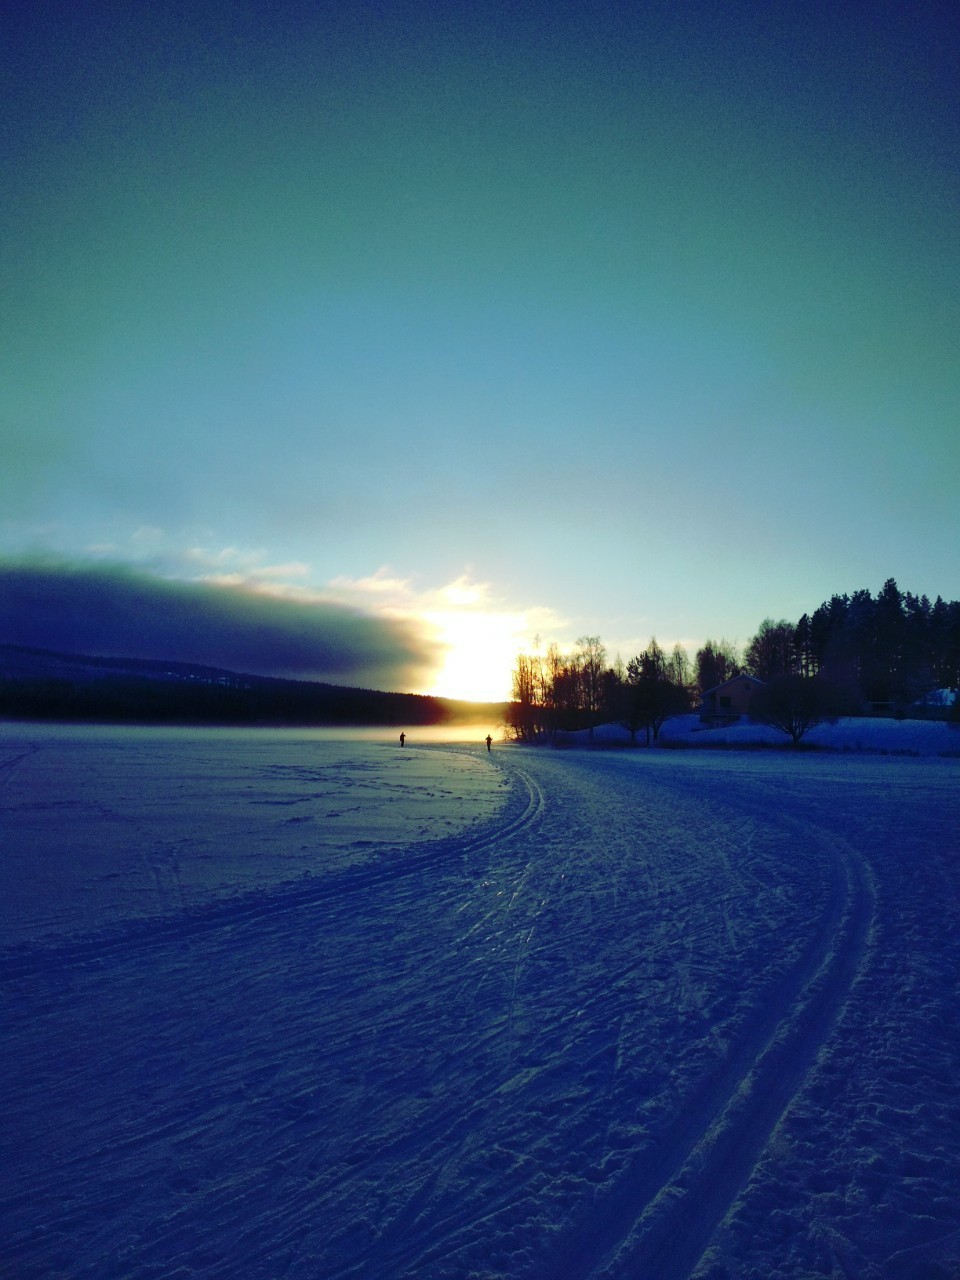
(732, 698)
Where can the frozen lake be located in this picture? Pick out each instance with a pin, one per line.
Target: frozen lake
(293, 1005)
(110, 824)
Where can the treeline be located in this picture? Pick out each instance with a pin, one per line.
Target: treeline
(856, 654)
(555, 692)
(893, 649)
(35, 685)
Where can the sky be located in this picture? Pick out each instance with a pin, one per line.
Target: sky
(401, 334)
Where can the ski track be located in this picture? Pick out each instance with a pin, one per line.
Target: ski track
(554, 1048)
(707, 1160)
(161, 931)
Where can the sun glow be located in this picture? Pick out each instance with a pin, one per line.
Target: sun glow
(480, 654)
(474, 635)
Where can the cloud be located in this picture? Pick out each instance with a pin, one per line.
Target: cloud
(118, 611)
(403, 597)
(234, 566)
(478, 633)
(382, 585)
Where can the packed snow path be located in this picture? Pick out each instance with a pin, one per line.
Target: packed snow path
(656, 1015)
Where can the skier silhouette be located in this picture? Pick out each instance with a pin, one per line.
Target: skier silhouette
(403, 738)
(488, 740)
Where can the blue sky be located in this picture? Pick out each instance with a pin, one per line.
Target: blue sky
(483, 320)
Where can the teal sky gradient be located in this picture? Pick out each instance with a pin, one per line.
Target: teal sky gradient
(647, 316)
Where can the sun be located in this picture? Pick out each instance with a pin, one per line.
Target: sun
(480, 654)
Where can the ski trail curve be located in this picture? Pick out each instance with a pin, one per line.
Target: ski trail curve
(658, 1222)
(522, 811)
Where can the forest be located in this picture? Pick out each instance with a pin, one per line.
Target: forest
(40, 685)
(895, 653)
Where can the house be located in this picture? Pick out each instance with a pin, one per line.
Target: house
(727, 702)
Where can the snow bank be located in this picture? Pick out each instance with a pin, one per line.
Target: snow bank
(850, 733)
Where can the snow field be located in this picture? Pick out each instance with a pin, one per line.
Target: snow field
(109, 825)
(564, 1014)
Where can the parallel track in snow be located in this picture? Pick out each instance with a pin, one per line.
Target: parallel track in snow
(676, 1227)
(659, 1220)
(554, 1047)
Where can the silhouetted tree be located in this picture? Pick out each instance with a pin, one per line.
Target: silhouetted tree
(794, 704)
(716, 662)
(523, 714)
(653, 695)
(591, 659)
(562, 692)
(772, 651)
(680, 667)
(803, 647)
(893, 650)
(945, 643)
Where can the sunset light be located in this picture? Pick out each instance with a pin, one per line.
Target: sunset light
(362, 361)
(481, 650)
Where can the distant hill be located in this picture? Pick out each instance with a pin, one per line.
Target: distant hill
(38, 684)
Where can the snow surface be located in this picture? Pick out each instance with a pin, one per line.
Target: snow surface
(288, 1005)
(883, 735)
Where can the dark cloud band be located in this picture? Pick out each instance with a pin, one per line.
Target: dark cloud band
(118, 611)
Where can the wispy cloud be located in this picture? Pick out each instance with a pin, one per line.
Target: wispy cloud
(238, 566)
(383, 585)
